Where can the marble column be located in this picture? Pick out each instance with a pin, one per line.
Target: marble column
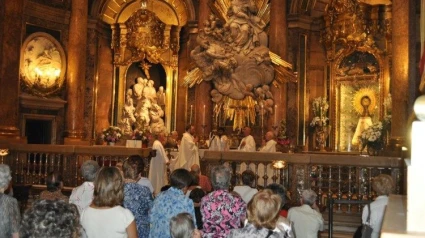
(403, 70)
(76, 72)
(11, 21)
(202, 93)
(278, 43)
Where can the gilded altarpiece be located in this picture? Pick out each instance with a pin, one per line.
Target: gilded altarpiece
(357, 39)
(145, 34)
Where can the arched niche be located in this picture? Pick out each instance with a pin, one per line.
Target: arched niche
(355, 74)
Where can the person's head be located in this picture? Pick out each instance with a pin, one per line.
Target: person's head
(180, 178)
(159, 136)
(50, 218)
(182, 226)
(196, 195)
(165, 187)
(383, 184)
(54, 182)
(220, 131)
(220, 177)
(195, 168)
(263, 209)
(308, 197)
(4, 177)
(269, 135)
(133, 167)
(190, 129)
(280, 190)
(174, 135)
(248, 177)
(365, 101)
(108, 188)
(151, 83)
(89, 170)
(247, 131)
(195, 178)
(161, 89)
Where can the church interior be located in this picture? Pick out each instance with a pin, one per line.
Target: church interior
(334, 81)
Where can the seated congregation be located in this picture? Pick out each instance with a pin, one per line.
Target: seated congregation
(116, 202)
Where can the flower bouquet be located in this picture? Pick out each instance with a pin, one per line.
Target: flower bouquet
(320, 121)
(283, 140)
(142, 136)
(111, 135)
(372, 138)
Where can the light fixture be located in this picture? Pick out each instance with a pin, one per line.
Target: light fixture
(278, 164)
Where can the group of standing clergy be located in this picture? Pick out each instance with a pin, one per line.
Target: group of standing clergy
(188, 154)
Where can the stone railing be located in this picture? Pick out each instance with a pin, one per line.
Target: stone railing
(340, 176)
(331, 175)
(30, 164)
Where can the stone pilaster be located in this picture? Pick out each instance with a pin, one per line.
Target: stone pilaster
(76, 69)
(403, 70)
(11, 13)
(278, 43)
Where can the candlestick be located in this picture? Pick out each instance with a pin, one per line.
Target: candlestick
(262, 116)
(248, 115)
(275, 114)
(203, 119)
(191, 110)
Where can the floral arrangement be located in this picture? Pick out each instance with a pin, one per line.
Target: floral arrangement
(320, 109)
(111, 134)
(373, 134)
(282, 138)
(140, 135)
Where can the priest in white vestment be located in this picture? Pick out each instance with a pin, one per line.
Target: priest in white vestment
(269, 145)
(219, 142)
(158, 165)
(247, 143)
(188, 150)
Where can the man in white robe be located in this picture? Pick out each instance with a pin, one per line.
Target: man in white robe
(219, 142)
(269, 145)
(158, 168)
(188, 150)
(247, 143)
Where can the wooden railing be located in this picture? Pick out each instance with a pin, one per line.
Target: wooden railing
(338, 176)
(30, 164)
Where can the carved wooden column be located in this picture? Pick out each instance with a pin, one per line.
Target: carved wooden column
(202, 93)
(403, 87)
(11, 13)
(278, 35)
(76, 72)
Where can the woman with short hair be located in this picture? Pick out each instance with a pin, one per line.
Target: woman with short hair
(54, 188)
(221, 211)
(51, 218)
(383, 185)
(263, 214)
(105, 217)
(9, 210)
(82, 195)
(182, 226)
(137, 198)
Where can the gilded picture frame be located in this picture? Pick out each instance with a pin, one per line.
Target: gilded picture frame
(42, 65)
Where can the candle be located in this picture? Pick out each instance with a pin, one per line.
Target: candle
(262, 116)
(203, 119)
(191, 109)
(275, 115)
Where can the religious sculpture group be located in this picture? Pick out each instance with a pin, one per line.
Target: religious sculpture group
(233, 55)
(144, 108)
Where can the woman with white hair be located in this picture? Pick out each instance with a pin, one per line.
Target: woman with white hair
(10, 217)
(307, 219)
(383, 185)
(82, 195)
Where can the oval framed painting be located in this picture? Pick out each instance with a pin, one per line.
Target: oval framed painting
(43, 64)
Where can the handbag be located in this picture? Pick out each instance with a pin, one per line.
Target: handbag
(365, 230)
